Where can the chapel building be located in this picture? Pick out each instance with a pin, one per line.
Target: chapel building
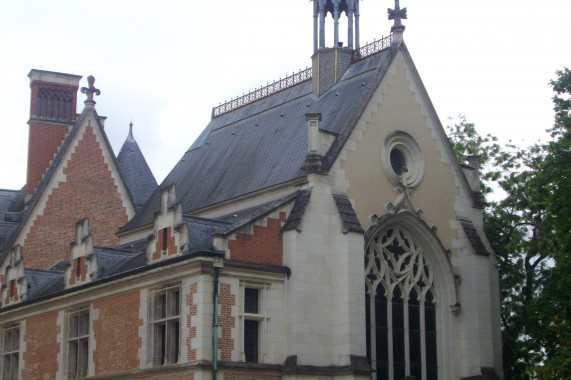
(320, 227)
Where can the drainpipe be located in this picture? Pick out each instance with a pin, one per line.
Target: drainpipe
(215, 325)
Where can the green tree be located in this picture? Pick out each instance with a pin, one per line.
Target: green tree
(530, 231)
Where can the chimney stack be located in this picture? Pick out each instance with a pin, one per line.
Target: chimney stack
(52, 114)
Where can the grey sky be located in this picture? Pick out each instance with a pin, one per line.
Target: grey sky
(166, 64)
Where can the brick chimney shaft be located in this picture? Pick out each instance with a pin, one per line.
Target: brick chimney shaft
(52, 113)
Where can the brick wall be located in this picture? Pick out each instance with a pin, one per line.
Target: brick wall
(264, 246)
(225, 342)
(89, 191)
(191, 329)
(116, 333)
(43, 143)
(42, 348)
(162, 243)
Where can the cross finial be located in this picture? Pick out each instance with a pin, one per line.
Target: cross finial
(90, 91)
(397, 14)
(130, 137)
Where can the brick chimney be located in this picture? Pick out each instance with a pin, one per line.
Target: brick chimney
(52, 114)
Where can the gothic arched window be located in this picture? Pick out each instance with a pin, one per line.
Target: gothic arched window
(401, 308)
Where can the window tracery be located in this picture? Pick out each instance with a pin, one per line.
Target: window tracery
(401, 307)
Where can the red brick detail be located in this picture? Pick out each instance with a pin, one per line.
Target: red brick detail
(79, 267)
(43, 143)
(264, 246)
(36, 85)
(166, 242)
(116, 333)
(88, 192)
(12, 294)
(226, 322)
(42, 348)
(235, 376)
(191, 329)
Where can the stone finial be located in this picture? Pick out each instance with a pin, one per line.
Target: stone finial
(90, 91)
(130, 137)
(397, 14)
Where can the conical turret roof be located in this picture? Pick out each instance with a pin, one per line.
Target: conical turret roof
(135, 170)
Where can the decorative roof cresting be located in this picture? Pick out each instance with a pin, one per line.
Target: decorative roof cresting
(90, 91)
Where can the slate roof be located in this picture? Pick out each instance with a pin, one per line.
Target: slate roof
(112, 261)
(6, 231)
(247, 216)
(347, 214)
(11, 204)
(11, 200)
(474, 237)
(136, 172)
(264, 143)
(201, 231)
(42, 282)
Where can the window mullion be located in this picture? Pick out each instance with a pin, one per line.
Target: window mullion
(390, 336)
(373, 330)
(406, 337)
(423, 339)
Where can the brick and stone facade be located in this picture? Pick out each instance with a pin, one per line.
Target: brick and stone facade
(248, 263)
(84, 188)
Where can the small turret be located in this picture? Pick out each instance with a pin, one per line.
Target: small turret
(329, 64)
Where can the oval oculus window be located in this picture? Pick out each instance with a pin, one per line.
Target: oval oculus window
(403, 159)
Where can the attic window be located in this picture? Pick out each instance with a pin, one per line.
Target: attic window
(402, 159)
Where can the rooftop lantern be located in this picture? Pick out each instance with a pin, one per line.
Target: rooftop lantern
(336, 7)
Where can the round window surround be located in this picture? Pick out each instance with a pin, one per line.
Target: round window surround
(402, 158)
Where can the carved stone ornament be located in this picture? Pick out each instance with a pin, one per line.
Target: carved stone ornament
(397, 13)
(90, 91)
(403, 201)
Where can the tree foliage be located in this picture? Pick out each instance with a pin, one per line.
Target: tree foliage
(530, 231)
